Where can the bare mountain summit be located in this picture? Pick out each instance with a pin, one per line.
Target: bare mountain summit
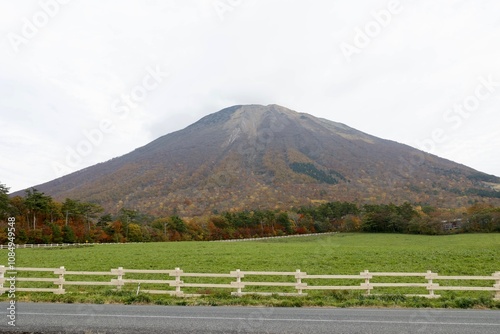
(254, 156)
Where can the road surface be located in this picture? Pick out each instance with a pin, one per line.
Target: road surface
(83, 318)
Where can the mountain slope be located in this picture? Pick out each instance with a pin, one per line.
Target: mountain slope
(257, 156)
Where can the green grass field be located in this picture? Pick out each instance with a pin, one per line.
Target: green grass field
(465, 254)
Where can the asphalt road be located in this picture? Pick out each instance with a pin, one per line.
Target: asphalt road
(83, 318)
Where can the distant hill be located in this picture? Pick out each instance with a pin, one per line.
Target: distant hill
(253, 156)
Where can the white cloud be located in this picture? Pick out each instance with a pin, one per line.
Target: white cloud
(65, 79)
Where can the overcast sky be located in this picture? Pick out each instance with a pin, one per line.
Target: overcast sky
(82, 82)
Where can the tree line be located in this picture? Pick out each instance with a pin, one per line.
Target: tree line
(40, 219)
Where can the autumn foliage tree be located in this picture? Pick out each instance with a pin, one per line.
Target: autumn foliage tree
(40, 219)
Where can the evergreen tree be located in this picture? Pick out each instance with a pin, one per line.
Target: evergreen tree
(4, 201)
(57, 235)
(68, 235)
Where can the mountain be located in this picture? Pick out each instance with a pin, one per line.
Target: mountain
(253, 156)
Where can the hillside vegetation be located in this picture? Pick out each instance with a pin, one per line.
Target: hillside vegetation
(272, 158)
(40, 219)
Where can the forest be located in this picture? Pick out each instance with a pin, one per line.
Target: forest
(40, 219)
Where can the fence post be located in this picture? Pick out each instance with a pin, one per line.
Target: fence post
(430, 283)
(238, 282)
(299, 281)
(119, 279)
(178, 281)
(61, 280)
(497, 285)
(2, 278)
(366, 274)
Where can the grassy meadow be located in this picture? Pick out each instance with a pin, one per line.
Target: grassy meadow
(463, 254)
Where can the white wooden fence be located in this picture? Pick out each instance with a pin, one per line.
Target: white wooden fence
(170, 281)
(277, 237)
(125, 243)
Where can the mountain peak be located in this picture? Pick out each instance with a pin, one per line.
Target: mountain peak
(255, 110)
(256, 156)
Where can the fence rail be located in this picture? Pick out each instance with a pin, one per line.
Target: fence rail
(171, 282)
(276, 237)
